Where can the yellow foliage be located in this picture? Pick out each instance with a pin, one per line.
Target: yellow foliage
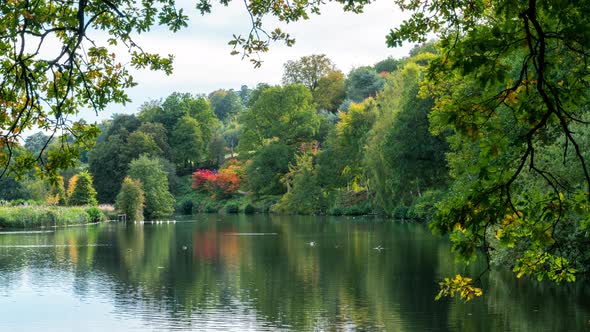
(459, 285)
(72, 185)
(52, 199)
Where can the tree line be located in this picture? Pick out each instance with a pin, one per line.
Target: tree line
(376, 141)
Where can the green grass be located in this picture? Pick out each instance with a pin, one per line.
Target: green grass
(47, 216)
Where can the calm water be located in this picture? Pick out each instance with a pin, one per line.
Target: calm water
(260, 273)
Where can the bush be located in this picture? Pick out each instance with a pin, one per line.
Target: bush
(249, 209)
(354, 211)
(335, 211)
(223, 183)
(185, 206)
(232, 207)
(401, 212)
(211, 207)
(203, 179)
(95, 214)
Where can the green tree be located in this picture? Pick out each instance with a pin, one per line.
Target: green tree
(231, 134)
(175, 107)
(35, 188)
(308, 70)
(159, 134)
(388, 65)
(83, 192)
(330, 91)
(244, 94)
(363, 82)
(37, 143)
(123, 125)
(285, 114)
(341, 163)
(510, 81)
(131, 199)
(159, 202)
(188, 143)
(267, 168)
(255, 94)
(11, 189)
(304, 195)
(403, 158)
(216, 150)
(126, 139)
(108, 162)
(139, 143)
(225, 104)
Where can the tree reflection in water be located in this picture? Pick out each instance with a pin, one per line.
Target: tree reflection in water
(259, 272)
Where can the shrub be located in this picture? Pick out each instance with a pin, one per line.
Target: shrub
(95, 214)
(211, 207)
(232, 207)
(249, 209)
(222, 184)
(203, 179)
(227, 182)
(335, 211)
(185, 206)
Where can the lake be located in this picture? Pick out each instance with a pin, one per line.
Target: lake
(261, 273)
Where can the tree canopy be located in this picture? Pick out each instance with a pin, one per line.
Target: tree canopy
(308, 70)
(284, 113)
(159, 202)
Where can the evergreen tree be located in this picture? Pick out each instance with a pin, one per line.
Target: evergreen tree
(83, 192)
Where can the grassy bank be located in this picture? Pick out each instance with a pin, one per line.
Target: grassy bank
(47, 216)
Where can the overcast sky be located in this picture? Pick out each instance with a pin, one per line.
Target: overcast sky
(202, 56)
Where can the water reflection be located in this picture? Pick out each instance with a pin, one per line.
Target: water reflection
(260, 273)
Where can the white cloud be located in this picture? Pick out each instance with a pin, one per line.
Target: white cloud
(203, 62)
